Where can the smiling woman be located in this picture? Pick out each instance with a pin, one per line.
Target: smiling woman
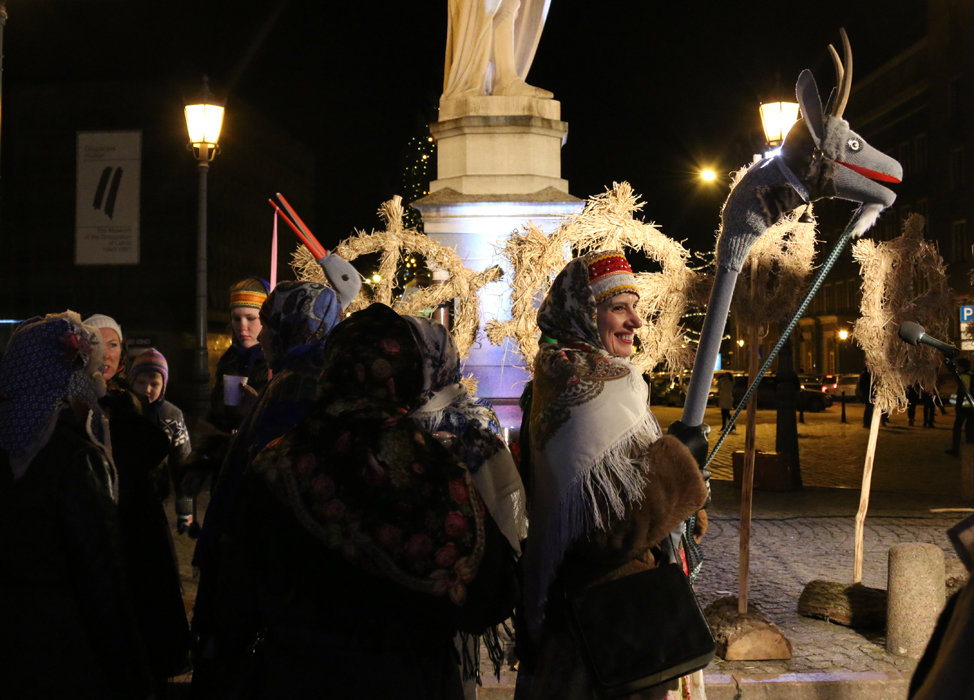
(617, 318)
(605, 487)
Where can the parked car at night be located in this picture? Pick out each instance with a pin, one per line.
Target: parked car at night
(847, 384)
(828, 383)
(808, 399)
(667, 390)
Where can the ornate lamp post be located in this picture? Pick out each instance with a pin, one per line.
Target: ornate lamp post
(204, 119)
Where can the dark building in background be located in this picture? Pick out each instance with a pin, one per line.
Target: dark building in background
(919, 108)
(153, 299)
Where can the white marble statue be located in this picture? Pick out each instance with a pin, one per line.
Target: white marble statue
(490, 45)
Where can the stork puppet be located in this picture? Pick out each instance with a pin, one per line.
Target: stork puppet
(821, 157)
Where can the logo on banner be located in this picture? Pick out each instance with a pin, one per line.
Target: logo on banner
(112, 191)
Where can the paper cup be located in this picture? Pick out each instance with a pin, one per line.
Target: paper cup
(231, 389)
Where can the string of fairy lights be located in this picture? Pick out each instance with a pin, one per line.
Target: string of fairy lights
(418, 161)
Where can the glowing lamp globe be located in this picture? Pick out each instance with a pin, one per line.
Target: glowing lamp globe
(776, 119)
(204, 119)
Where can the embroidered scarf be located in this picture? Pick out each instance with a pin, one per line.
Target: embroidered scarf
(366, 479)
(471, 428)
(589, 413)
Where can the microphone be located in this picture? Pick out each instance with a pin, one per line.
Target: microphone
(914, 334)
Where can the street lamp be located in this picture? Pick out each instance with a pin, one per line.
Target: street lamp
(204, 119)
(777, 118)
(843, 335)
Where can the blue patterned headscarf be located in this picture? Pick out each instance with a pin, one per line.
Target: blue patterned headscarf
(46, 362)
(298, 314)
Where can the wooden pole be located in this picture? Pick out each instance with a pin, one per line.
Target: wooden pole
(747, 477)
(867, 478)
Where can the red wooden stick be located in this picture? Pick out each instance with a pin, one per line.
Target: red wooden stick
(311, 243)
(303, 226)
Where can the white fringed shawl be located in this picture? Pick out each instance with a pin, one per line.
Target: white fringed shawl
(590, 413)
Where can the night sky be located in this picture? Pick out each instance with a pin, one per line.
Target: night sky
(651, 91)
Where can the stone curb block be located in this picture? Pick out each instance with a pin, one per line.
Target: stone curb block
(808, 686)
(793, 686)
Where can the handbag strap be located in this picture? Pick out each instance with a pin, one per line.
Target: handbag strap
(669, 548)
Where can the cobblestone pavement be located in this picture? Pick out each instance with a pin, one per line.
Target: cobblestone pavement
(797, 537)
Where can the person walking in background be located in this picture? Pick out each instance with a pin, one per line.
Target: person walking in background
(725, 397)
(243, 362)
(912, 399)
(864, 392)
(963, 422)
(150, 377)
(69, 628)
(929, 409)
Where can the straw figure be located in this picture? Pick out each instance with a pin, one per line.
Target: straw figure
(394, 244)
(903, 280)
(606, 223)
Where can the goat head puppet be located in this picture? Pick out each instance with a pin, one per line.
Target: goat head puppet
(821, 157)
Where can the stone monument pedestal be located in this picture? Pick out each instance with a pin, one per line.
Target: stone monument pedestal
(490, 144)
(498, 167)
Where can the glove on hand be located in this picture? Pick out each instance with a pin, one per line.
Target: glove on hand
(694, 437)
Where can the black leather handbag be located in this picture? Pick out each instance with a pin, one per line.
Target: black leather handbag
(641, 630)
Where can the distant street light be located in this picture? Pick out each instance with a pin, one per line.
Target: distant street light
(842, 335)
(777, 119)
(204, 119)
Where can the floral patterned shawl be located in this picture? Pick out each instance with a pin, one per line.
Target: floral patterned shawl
(470, 427)
(589, 413)
(366, 479)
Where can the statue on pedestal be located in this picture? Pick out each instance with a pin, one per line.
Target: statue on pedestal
(490, 45)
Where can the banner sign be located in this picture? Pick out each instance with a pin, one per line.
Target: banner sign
(109, 167)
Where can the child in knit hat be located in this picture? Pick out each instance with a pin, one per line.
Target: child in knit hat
(149, 376)
(244, 359)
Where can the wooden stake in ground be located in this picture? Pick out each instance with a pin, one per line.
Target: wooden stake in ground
(747, 477)
(867, 478)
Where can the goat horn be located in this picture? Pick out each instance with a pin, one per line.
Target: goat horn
(845, 81)
(839, 74)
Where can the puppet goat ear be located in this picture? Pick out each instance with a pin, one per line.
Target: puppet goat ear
(830, 103)
(811, 105)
